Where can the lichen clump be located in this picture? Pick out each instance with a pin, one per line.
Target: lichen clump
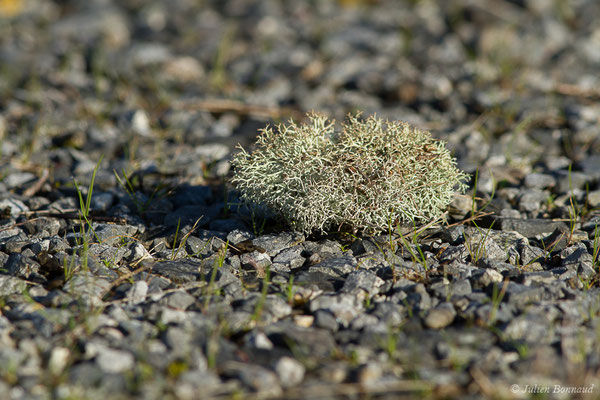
(366, 177)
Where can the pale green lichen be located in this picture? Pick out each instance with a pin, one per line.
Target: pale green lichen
(364, 177)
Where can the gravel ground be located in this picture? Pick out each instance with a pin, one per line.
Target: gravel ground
(157, 285)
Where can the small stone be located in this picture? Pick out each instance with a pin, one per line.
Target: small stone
(180, 300)
(172, 316)
(530, 254)
(102, 201)
(12, 207)
(489, 276)
(529, 227)
(290, 371)
(274, 243)
(591, 166)
(370, 373)
(338, 267)
(305, 321)
(138, 122)
(254, 376)
(344, 307)
(418, 297)
(391, 314)
(137, 293)
(308, 341)
(10, 285)
(326, 320)
(112, 234)
(363, 280)
(138, 252)
(17, 180)
(593, 198)
(454, 235)
(114, 361)
(532, 199)
(521, 295)
(237, 235)
(363, 246)
(441, 316)
(290, 257)
(59, 358)
(256, 261)
(179, 271)
(539, 181)
(363, 321)
(197, 247)
(532, 328)
(42, 224)
(183, 69)
(258, 340)
(573, 257)
(86, 283)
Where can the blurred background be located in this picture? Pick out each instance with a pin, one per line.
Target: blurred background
(175, 85)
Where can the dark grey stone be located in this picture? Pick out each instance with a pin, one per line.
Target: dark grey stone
(362, 280)
(274, 243)
(236, 236)
(57, 244)
(336, 267)
(86, 283)
(108, 254)
(418, 298)
(307, 341)
(326, 320)
(521, 295)
(48, 226)
(578, 258)
(180, 340)
(529, 227)
(325, 249)
(179, 271)
(198, 247)
(459, 287)
(453, 235)
(255, 261)
(290, 257)
(21, 266)
(112, 234)
(254, 376)
(530, 254)
(364, 246)
(458, 253)
(86, 374)
(489, 314)
(392, 314)
(345, 307)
